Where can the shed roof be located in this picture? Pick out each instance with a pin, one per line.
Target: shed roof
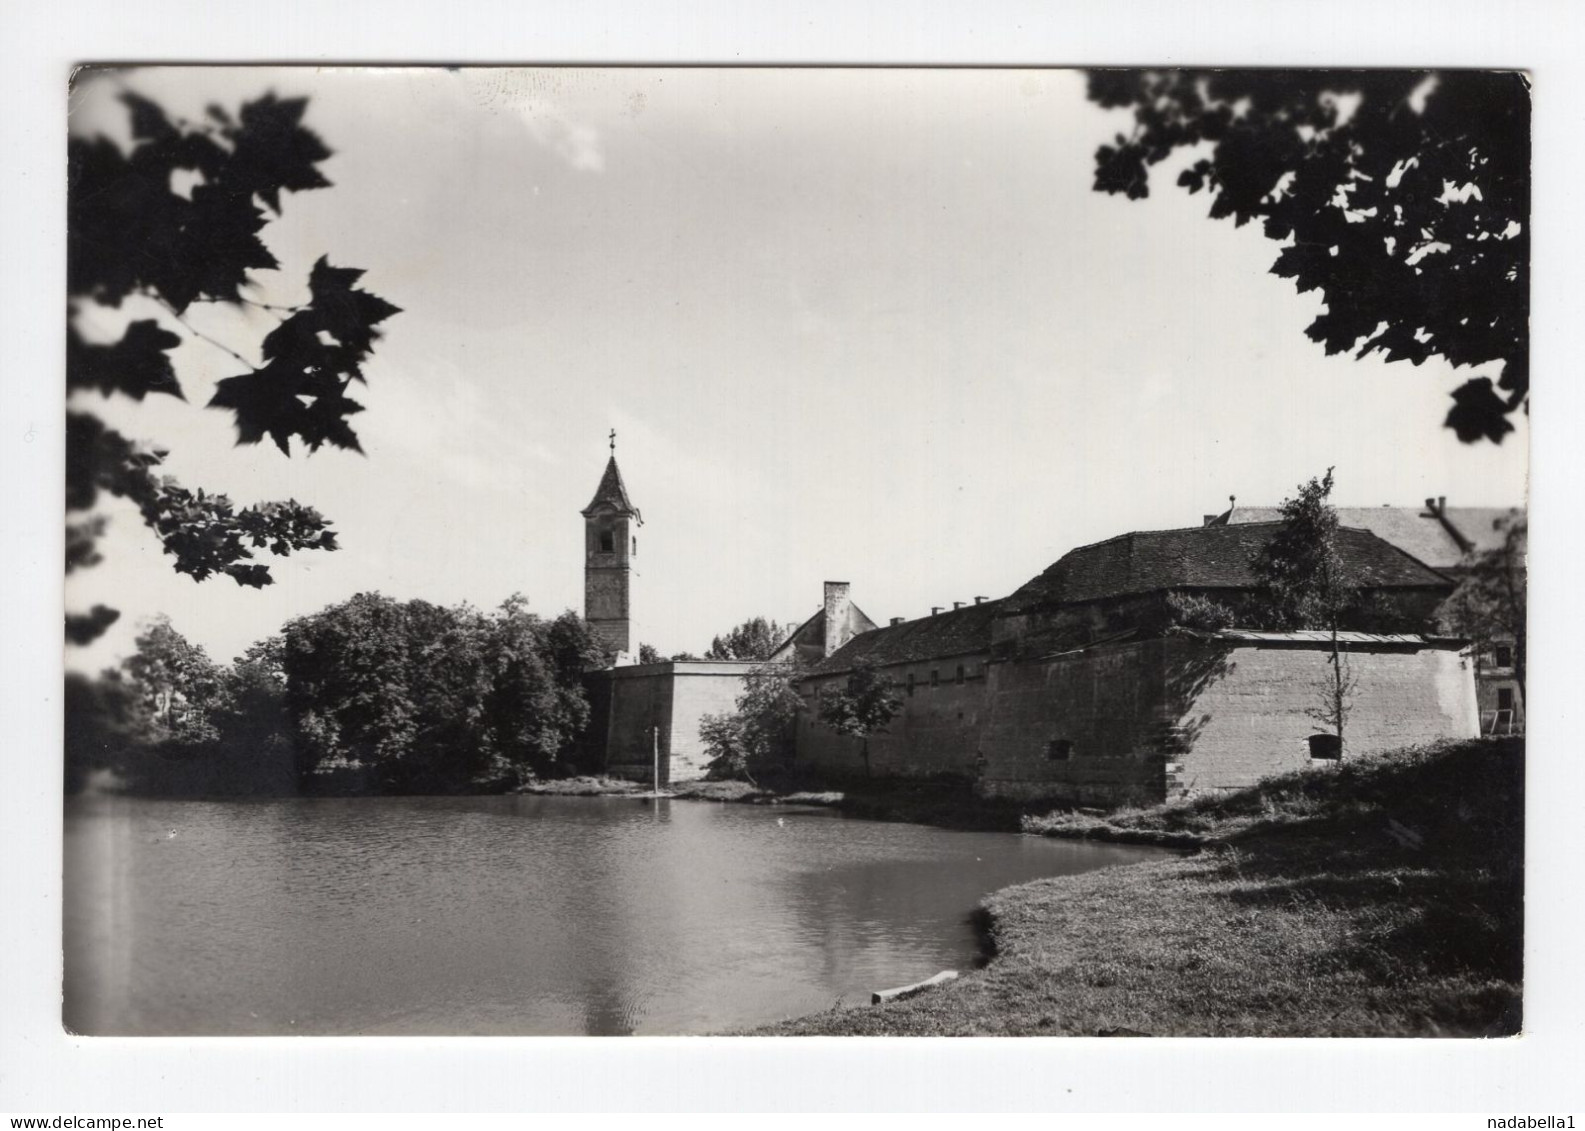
(1205, 557)
(1321, 636)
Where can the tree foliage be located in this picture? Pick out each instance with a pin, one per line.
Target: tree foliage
(754, 639)
(1300, 565)
(1309, 589)
(1201, 613)
(862, 706)
(430, 699)
(370, 694)
(169, 720)
(1489, 605)
(135, 239)
(175, 685)
(1403, 197)
(758, 738)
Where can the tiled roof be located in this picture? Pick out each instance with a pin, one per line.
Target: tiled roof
(1482, 526)
(612, 492)
(1204, 557)
(945, 634)
(1414, 530)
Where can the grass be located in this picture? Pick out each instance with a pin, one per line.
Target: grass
(1383, 897)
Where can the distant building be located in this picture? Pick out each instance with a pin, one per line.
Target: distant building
(610, 547)
(837, 621)
(1442, 537)
(648, 715)
(1084, 685)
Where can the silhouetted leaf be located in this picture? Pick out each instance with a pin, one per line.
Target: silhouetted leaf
(136, 365)
(1478, 412)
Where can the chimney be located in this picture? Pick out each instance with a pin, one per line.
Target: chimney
(836, 616)
(896, 621)
(956, 605)
(980, 600)
(1438, 509)
(934, 609)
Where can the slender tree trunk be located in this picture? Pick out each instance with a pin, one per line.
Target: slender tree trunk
(1337, 689)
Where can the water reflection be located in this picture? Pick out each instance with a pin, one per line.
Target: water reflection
(521, 915)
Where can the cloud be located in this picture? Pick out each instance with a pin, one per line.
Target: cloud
(523, 93)
(575, 143)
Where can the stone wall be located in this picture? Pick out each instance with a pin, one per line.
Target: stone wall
(670, 697)
(1142, 721)
(1089, 727)
(1172, 717)
(1255, 722)
(699, 689)
(936, 731)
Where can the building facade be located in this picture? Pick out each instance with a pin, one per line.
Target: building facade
(1086, 686)
(1443, 537)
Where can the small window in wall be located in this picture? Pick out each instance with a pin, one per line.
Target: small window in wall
(935, 677)
(1505, 698)
(607, 542)
(910, 683)
(960, 673)
(1326, 747)
(1504, 656)
(1059, 749)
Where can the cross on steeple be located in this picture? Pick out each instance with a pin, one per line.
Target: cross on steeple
(613, 441)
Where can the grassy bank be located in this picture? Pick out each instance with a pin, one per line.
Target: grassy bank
(1380, 897)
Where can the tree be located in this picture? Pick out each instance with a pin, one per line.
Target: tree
(865, 705)
(1403, 197)
(1489, 604)
(758, 738)
(432, 699)
(647, 654)
(754, 639)
(135, 239)
(104, 724)
(1306, 580)
(176, 686)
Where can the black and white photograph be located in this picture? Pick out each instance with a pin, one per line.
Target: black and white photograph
(769, 551)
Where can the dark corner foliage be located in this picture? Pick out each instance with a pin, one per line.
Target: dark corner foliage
(1403, 197)
(133, 237)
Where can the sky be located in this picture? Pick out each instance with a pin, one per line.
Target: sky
(860, 325)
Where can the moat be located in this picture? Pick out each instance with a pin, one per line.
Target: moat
(511, 915)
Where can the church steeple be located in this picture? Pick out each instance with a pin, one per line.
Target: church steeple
(611, 494)
(610, 548)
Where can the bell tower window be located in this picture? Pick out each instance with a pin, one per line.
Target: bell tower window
(607, 542)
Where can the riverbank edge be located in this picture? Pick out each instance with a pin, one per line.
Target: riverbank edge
(939, 802)
(1241, 936)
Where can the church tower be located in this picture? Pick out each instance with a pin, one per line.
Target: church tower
(609, 549)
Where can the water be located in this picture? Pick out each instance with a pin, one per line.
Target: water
(511, 915)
